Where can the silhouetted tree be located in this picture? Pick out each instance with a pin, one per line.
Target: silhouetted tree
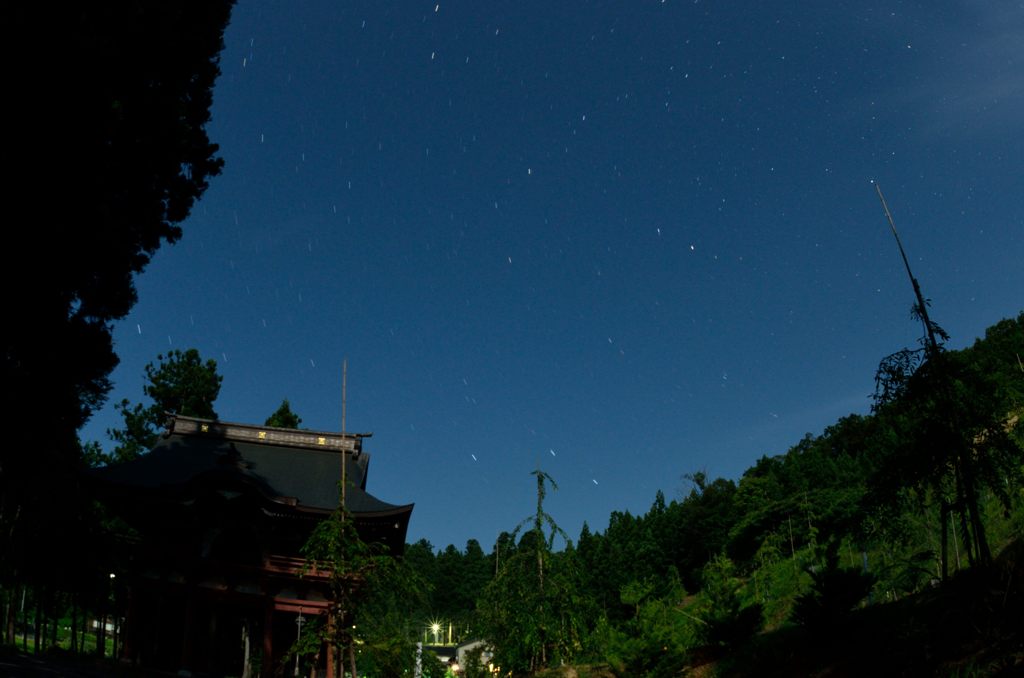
(835, 591)
(532, 611)
(111, 153)
(179, 383)
(727, 622)
(369, 589)
(283, 417)
(948, 428)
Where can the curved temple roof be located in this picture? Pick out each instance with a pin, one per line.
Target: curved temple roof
(292, 468)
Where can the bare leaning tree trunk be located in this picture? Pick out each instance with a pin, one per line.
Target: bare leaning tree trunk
(36, 626)
(965, 531)
(10, 621)
(55, 615)
(978, 529)
(944, 540)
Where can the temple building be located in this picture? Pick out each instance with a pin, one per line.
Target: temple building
(220, 512)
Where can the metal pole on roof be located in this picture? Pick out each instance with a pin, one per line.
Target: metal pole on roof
(344, 461)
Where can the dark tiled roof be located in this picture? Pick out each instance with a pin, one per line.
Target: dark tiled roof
(278, 463)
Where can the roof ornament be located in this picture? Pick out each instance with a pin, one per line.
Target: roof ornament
(168, 424)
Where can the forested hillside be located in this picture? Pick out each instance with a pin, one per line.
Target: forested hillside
(890, 542)
(874, 510)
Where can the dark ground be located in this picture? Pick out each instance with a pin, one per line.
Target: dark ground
(16, 664)
(972, 626)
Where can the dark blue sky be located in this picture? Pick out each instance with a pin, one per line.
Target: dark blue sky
(624, 240)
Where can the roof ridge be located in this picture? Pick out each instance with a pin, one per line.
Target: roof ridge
(254, 433)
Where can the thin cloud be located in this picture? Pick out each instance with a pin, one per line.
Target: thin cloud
(973, 80)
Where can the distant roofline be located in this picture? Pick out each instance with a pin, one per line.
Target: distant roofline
(266, 435)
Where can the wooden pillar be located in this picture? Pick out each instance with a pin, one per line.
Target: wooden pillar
(944, 547)
(188, 631)
(212, 663)
(330, 646)
(156, 624)
(268, 640)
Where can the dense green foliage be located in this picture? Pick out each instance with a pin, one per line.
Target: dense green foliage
(848, 516)
(532, 611)
(874, 509)
(949, 436)
(179, 383)
(834, 592)
(369, 594)
(283, 417)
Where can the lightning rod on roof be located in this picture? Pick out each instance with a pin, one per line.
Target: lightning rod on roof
(344, 461)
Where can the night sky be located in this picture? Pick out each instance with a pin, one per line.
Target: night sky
(625, 241)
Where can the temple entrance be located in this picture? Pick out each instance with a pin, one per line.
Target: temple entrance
(221, 511)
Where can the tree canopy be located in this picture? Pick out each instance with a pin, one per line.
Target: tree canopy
(531, 610)
(949, 431)
(796, 542)
(179, 383)
(283, 417)
(111, 154)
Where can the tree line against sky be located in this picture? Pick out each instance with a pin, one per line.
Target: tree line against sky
(874, 509)
(925, 486)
